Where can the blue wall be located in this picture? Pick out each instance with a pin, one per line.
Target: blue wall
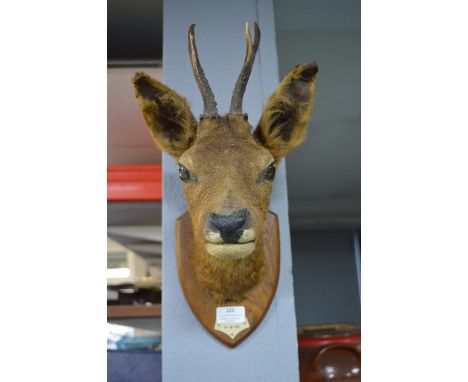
(324, 180)
(325, 282)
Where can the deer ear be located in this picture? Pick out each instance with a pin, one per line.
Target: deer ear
(167, 115)
(283, 125)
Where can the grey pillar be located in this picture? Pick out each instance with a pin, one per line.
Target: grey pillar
(190, 354)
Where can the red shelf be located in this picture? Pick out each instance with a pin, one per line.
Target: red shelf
(354, 339)
(127, 183)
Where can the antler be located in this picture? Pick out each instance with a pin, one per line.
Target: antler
(241, 84)
(210, 109)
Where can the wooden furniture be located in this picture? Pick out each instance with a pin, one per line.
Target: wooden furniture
(133, 311)
(334, 362)
(330, 352)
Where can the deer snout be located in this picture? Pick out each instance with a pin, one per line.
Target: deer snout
(230, 227)
(230, 236)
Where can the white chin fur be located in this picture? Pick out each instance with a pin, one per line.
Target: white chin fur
(247, 236)
(230, 251)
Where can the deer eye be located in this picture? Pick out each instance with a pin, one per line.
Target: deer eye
(270, 172)
(184, 174)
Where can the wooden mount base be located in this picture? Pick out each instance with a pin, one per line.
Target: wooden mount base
(257, 300)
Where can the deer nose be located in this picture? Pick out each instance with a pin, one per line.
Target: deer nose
(230, 226)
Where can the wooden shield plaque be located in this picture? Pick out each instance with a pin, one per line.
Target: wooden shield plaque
(256, 301)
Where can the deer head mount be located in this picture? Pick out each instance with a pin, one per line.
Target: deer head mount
(227, 171)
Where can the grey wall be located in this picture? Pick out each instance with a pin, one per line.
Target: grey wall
(324, 173)
(325, 281)
(189, 352)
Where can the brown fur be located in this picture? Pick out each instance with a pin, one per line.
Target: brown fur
(226, 161)
(167, 114)
(283, 125)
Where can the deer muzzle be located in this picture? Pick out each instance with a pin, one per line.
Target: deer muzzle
(230, 236)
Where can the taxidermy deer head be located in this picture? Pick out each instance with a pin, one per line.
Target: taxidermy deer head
(226, 170)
